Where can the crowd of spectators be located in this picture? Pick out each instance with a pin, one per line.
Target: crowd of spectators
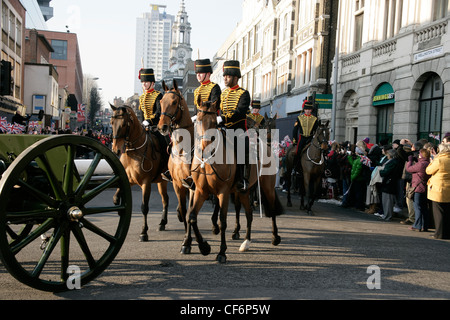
(389, 180)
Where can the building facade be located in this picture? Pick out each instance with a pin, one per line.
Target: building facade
(41, 89)
(66, 58)
(153, 42)
(393, 71)
(284, 48)
(12, 51)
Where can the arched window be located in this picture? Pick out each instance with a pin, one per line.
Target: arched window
(430, 110)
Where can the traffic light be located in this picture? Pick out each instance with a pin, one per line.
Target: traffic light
(6, 88)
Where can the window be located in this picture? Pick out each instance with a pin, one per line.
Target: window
(430, 109)
(385, 123)
(359, 24)
(60, 47)
(440, 9)
(257, 37)
(282, 80)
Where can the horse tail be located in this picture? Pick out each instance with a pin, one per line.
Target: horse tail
(271, 209)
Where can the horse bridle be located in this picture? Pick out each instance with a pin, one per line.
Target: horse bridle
(127, 131)
(173, 117)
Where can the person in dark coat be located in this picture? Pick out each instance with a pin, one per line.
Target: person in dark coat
(391, 173)
(419, 184)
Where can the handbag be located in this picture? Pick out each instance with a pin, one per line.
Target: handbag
(410, 192)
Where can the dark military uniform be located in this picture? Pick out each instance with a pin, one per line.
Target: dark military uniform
(149, 104)
(234, 107)
(209, 91)
(304, 129)
(149, 101)
(256, 117)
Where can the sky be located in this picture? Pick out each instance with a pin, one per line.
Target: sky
(106, 32)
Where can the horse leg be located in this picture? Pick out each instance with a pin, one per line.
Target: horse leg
(245, 246)
(276, 239)
(116, 197)
(306, 194)
(146, 190)
(237, 227)
(198, 201)
(312, 194)
(223, 200)
(187, 241)
(181, 194)
(215, 216)
(162, 188)
(288, 177)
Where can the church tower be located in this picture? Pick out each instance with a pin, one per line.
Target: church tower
(180, 50)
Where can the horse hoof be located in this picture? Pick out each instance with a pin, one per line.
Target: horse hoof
(221, 258)
(180, 217)
(205, 248)
(185, 250)
(215, 230)
(310, 213)
(235, 236)
(245, 246)
(143, 238)
(276, 240)
(162, 227)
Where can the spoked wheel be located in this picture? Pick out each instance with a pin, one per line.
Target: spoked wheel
(59, 227)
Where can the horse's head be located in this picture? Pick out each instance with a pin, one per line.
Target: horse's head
(323, 135)
(171, 107)
(121, 122)
(206, 119)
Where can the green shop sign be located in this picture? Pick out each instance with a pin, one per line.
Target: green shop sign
(325, 101)
(384, 95)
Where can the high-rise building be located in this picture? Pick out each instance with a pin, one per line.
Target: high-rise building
(153, 41)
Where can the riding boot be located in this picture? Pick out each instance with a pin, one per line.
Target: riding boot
(243, 183)
(188, 183)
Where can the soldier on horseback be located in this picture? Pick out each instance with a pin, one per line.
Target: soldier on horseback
(208, 91)
(304, 129)
(234, 106)
(149, 105)
(255, 115)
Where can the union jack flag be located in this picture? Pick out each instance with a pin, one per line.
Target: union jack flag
(81, 109)
(18, 128)
(3, 124)
(33, 124)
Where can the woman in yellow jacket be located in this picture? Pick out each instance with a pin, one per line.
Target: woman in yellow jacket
(439, 191)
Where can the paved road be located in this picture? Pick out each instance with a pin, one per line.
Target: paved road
(325, 256)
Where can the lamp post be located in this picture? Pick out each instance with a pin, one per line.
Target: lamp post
(88, 85)
(336, 78)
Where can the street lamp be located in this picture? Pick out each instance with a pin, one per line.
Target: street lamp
(88, 82)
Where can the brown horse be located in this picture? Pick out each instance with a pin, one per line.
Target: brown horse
(214, 171)
(140, 154)
(313, 165)
(265, 189)
(175, 120)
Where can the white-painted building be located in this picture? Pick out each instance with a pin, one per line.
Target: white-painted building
(284, 48)
(394, 70)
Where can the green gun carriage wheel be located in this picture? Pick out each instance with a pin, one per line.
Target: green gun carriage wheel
(55, 231)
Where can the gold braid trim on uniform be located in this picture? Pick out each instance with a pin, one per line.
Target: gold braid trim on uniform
(229, 103)
(204, 90)
(307, 123)
(256, 117)
(147, 104)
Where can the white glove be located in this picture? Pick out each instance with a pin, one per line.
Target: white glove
(219, 120)
(146, 123)
(194, 118)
